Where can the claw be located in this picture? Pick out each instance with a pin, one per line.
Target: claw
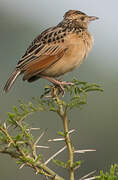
(62, 89)
(58, 83)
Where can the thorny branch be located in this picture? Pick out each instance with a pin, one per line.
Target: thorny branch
(22, 146)
(63, 114)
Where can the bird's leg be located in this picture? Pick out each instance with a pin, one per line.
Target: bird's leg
(56, 82)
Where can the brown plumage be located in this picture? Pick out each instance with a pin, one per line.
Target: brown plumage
(57, 50)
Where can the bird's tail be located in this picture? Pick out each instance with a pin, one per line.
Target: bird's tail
(11, 80)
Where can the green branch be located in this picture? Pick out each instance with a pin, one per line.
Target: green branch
(18, 141)
(63, 114)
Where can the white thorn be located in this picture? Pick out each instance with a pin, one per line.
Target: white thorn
(30, 129)
(34, 128)
(4, 125)
(77, 167)
(91, 178)
(83, 178)
(22, 166)
(71, 131)
(39, 138)
(59, 139)
(84, 151)
(53, 156)
(46, 147)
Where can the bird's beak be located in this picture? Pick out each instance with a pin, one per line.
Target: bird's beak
(92, 18)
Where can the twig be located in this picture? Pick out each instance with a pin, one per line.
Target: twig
(69, 145)
(63, 114)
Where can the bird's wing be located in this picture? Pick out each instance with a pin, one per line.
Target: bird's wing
(44, 51)
(35, 67)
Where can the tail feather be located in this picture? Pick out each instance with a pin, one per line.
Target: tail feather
(12, 79)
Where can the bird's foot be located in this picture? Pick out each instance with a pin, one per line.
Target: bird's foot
(58, 83)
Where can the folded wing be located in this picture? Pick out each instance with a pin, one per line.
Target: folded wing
(44, 51)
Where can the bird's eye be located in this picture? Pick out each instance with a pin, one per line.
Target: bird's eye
(82, 18)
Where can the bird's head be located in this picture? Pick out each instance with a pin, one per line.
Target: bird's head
(80, 18)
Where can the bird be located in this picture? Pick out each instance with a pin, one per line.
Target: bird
(56, 51)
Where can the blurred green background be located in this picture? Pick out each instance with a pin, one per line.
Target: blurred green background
(97, 124)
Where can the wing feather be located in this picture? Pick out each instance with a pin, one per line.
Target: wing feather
(46, 44)
(36, 67)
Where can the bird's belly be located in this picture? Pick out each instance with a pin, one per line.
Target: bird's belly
(71, 59)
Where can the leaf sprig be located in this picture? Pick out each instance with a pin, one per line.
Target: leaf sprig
(18, 141)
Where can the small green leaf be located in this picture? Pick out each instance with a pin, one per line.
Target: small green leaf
(111, 175)
(11, 116)
(53, 109)
(61, 163)
(38, 158)
(61, 133)
(77, 163)
(16, 110)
